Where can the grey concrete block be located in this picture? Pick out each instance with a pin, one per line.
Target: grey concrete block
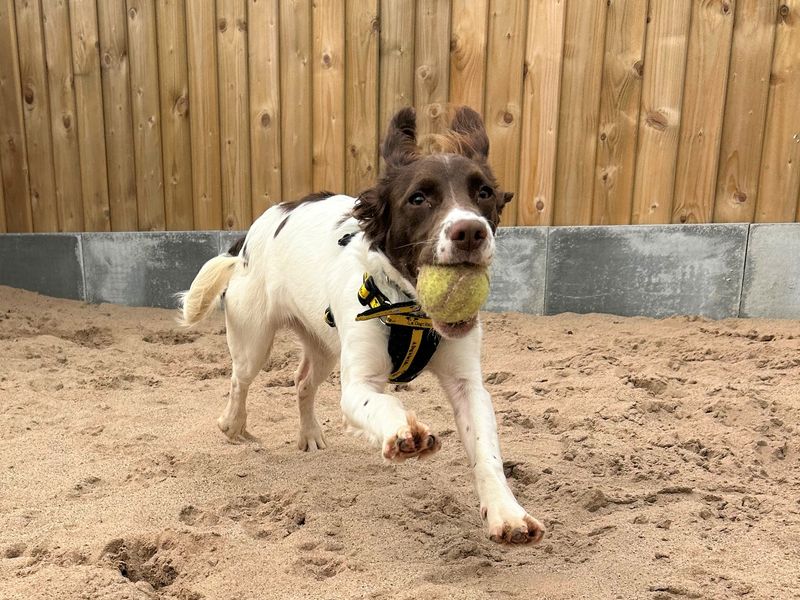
(228, 238)
(46, 263)
(656, 270)
(518, 270)
(772, 275)
(144, 269)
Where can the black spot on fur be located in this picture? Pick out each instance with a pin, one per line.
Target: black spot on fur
(315, 197)
(280, 226)
(237, 247)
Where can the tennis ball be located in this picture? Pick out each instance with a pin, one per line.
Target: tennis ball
(452, 293)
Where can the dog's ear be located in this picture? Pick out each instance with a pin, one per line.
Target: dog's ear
(507, 197)
(400, 145)
(372, 213)
(469, 126)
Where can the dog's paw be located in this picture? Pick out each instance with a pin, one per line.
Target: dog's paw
(311, 439)
(512, 525)
(235, 430)
(411, 440)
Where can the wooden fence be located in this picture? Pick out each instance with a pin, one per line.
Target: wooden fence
(198, 114)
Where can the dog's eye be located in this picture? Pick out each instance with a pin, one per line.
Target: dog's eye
(416, 199)
(485, 192)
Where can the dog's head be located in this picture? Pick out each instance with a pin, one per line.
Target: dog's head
(440, 208)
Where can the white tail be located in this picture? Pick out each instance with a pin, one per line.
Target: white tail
(208, 285)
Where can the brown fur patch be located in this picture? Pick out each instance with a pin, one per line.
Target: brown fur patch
(313, 197)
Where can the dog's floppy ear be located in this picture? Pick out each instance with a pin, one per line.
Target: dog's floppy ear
(372, 213)
(400, 145)
(469, 126)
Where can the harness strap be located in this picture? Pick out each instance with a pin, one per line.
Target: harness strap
(412, 339)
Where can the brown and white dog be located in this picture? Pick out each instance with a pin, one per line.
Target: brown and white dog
(441, 208)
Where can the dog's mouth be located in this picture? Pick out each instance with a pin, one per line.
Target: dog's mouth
(454, 330)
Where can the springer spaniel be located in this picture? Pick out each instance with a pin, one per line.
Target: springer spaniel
(306, 262)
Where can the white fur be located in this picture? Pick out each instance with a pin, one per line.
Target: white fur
(289, 280)
(445, 249)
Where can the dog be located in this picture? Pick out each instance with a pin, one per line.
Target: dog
(336, 270)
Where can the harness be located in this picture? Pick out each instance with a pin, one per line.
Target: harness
(412, 339)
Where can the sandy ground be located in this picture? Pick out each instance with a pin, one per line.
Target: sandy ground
(661, 455)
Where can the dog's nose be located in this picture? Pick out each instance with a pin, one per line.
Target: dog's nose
(467, 234)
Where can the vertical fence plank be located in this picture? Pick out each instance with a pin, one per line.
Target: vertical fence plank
(432, 65)
(468, 52)
(173, 78)
(112, 17)
(265, 104)
(541, 94)
(233, 113)
(582, 70)
(66, 155)
(13, 159)
(142, 50)
(36, 104)
(779, 182)
(503, 103)
(660, 112)
(89, 105)
(396, 58)
(619, 112)
(295, 31)
(2, 206)
(361, 70)
(328, 98)
(703, 107)
(745, 108)
(204, 113)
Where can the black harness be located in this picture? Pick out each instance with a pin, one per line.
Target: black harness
(412, 339)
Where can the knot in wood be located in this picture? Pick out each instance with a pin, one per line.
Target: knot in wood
(656, 120)
(508, 118)
(132, 14)
(222, 25)
(27, 94)
(182, 105)
(539, 205)
(265, 119)
(739, 197)
(326, 60)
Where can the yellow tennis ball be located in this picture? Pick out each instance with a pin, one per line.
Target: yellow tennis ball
(452, 293)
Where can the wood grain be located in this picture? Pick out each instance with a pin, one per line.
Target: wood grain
(13, 157)
(584, 40)
(36, 105)
(66, 153)
(396, 59)
(173, 75)
(89, 108)
(620, 96)
(779, 180)
(328, 106)
(432, 65)
(703, 109)
(112, 17)
(361, 69)
(660, 113)
(295, 34)
(503, 104)
(468, 52)
(145, 105)
(745, 111)
(265, 104)
(233, 113)
(204, 114)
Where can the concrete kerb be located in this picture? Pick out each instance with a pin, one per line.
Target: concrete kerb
(712, 270)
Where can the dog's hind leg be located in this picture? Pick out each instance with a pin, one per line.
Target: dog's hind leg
(250, 336)
(314, 367)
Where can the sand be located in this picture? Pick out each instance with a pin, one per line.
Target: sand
(662, 456)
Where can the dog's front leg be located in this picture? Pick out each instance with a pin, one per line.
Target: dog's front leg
(382, 418)
(505, 519)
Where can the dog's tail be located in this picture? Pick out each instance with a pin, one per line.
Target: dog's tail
(209, 284)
